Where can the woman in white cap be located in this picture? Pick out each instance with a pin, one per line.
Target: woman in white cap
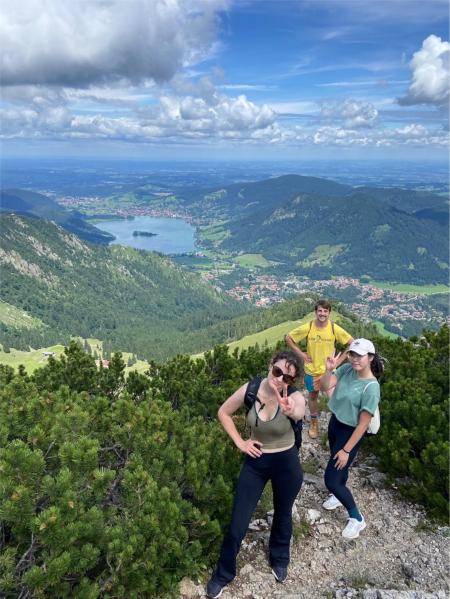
(354, 394)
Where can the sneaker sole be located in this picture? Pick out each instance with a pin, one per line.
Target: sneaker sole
(215, 596)
(357, 535)
(277, 579)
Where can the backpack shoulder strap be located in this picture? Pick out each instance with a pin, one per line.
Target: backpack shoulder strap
(368, 385)
(309, 330)
(332, 329)
(251, 394)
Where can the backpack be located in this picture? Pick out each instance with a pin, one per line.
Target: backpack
(251, 395)
(374, 425)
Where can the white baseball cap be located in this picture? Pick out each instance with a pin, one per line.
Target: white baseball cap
(362, 347)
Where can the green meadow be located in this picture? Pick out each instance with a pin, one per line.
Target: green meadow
(35, 358)
(272, 335)
(383, 330)
(407, 288)
(13, 317)
(252, 261)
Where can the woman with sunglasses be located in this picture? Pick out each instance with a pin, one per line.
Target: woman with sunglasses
(271, 454)
(354, 394)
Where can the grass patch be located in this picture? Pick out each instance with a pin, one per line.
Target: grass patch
(252, 261)
(214, 233)
(323, 440)
(35, 358)
(14, 317)
(265, 504)
(382, 330)
(310, 466)
(323, 255)
(407, 288)
(301, 530)
(360, 581)
(272, 335)
(30, 359)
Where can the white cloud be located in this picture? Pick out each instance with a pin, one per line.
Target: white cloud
(411, 135)
(353, 114)
(48, 116)
(430, 74)
(298, 108)
(76, 44)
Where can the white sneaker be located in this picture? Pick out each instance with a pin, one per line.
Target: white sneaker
(353, 528)
(331, 503)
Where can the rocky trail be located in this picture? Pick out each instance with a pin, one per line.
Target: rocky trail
(400, 554)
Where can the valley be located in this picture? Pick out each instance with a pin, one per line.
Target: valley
(381, 251)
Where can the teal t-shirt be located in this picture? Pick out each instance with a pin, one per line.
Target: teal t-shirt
(352, 394)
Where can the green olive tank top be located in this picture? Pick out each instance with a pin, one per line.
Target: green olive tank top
(276, 433)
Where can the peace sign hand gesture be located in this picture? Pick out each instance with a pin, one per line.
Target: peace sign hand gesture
(332, 361)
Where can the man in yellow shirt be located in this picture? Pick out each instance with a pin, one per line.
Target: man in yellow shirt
(321, 335)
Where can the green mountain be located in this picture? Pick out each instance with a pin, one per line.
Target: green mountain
(244, 199)
(29, 203)
(358, 236)
(137, 301)
(320, 228)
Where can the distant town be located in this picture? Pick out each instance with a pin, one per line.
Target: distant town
(394, 309)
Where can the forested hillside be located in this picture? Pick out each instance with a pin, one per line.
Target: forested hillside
(139, 301)
(321, 228)
(29, 203)
(56, 286)
(353, 236)
(117, 488)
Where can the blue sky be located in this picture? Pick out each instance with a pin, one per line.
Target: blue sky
(206, 79)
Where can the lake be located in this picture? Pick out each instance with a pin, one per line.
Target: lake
(173, 235)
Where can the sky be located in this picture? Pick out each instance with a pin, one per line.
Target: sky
(223, 79)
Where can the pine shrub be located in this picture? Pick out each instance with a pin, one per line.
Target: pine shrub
(412, 443)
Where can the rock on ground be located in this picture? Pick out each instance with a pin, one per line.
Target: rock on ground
(398, 556)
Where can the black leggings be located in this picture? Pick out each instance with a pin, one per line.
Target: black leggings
(335, 480)
(285, 472)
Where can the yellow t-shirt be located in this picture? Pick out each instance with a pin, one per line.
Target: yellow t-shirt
(321, 342)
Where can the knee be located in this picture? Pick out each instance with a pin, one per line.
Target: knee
(331, 481)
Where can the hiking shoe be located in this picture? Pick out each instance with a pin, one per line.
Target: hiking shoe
(353, 528)
(280, 573)
(313, 430)
(213, 589)
(331, 503)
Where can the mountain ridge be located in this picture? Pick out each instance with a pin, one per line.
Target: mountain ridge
(140, 301)
(37, 205)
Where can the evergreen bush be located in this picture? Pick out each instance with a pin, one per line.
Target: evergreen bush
(412, 443)
(117, 488)
(109, 487)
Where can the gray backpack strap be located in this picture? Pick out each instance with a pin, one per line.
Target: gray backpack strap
(368, 384)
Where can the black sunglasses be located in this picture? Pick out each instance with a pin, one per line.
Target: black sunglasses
(287, 378)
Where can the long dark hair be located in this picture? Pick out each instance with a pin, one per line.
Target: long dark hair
(291, 360)
(376, 365)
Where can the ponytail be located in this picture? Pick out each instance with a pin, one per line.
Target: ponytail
(377, 365)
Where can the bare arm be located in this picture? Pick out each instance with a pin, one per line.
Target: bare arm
(295, 348)
(225, 413)
(328, 380)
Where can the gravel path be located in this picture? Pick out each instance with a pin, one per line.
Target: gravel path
(399, 555)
